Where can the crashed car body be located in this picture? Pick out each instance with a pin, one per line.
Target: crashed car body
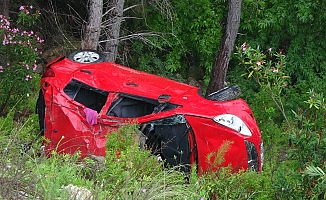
(82, 99)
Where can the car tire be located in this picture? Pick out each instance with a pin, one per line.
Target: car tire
(225, 94)
(40, 111)
(86, 56)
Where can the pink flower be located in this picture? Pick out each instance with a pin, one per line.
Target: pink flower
(244, 46)
(5, 40)
(15, 30)
(274, 70)
(21, 7)
(35, 66)
(28, 77)
(1, 68)
(159, 158)
(31, 7)
(258, 63)
(39, 40)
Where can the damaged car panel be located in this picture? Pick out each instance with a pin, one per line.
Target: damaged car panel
(81, 102)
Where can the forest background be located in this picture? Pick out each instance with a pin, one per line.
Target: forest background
(179, 40)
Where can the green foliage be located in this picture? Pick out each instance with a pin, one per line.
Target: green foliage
(313, 173)
(308, 133)
(296, 29)
(267, 69)
(18, 60)
(56, 172)
(188, 35)
(306, 130)
(137, 174)
(287, 182)
(28, 15)
(222, 184)
(308, 139)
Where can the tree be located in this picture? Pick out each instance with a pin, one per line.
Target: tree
(112, 29)
(4, 8)
(220, 67)
(93, 26)
(109, 21)
(91, 37)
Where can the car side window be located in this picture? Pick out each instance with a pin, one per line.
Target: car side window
(129, 106)
(88, 96)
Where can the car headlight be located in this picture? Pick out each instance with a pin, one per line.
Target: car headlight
(233, 122)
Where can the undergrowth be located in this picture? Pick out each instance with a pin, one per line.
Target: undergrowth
(294, 164)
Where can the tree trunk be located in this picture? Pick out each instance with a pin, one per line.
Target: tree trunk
(220, 67)
(113, 30)
(93, 26)
(4, 8)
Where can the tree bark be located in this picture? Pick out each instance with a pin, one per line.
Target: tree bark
(113, 30)
(222, 58)
(93, 26)
(4, 8)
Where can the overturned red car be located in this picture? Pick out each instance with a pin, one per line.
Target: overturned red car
(82, 99)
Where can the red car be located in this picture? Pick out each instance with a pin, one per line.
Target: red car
(83, 98)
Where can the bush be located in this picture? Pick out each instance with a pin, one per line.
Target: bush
(132, 173)
(19, 52)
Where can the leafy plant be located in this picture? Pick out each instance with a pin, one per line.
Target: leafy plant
(306, 130)
(137, 174)
(268, 71)
(318, 177)
(18, 61)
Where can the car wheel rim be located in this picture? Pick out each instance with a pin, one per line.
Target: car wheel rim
(86, 57)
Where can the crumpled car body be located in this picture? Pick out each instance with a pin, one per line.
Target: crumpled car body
(81, 103)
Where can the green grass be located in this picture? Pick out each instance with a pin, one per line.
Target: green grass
(26, 172)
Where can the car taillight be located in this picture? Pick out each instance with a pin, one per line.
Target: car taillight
(48, 73)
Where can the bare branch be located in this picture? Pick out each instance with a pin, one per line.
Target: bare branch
(58, 25)
(131, 7)
(142, 36)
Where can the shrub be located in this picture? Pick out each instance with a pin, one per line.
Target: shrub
(18, 58)
(132, 173)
